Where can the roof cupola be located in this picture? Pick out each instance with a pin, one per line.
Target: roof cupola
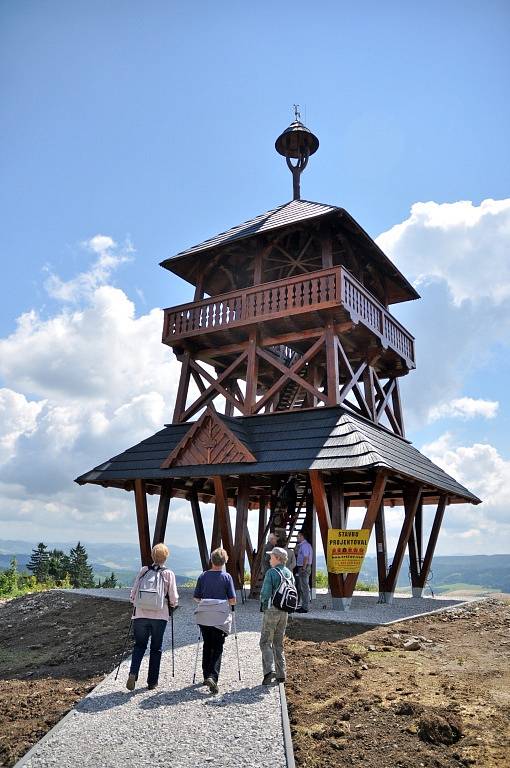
(297, 142)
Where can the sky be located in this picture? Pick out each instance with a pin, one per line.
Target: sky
(129, 131)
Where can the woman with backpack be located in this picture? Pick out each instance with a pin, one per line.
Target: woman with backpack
(278, 598)
(216, 596)
(154, 596)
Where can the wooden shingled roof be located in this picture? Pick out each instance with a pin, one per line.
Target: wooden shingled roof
(327, 439)
(294, 212)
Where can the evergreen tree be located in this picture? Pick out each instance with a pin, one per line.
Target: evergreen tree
(80, 572)
(59, 564)
(110, 582)
(39, 562)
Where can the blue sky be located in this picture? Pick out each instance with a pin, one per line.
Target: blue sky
(129, 131)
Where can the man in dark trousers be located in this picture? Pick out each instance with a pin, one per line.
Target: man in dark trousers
(304, 560)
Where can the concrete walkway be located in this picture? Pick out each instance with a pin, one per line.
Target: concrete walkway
(179, 724)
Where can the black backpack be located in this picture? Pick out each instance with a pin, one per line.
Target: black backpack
(285, 598)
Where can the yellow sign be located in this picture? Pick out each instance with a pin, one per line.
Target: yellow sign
(346, 549)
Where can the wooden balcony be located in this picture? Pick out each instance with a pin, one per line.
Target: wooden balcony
(326, 291)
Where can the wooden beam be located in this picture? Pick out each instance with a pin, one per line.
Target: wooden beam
(415, 545)
(142, 520)
(368, 384)
(221, 390)
(381, 548)
(374, 505)
(199, 529)
(434, 533)
(397, 407)
(290, 373)
(162, 516)
(216, 531)
(332, 372)
(182, 390)
(411, 501)
(220, 494)
(243, 498)
(197, 405)
(323, 516)
(251, 374)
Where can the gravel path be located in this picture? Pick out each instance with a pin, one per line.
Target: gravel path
(178, 724)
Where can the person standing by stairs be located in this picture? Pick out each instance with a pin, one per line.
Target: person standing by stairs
(304, 568)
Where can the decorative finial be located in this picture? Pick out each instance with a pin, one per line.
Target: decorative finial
(298, 143)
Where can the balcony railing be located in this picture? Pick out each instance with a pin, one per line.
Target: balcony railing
(328, 288)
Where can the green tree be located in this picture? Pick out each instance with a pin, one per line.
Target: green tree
(9, 580)
(39, 562)
(110, 582)
(59, 565)
(80, 572)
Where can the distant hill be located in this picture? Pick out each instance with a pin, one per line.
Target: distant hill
(452, 572)
(122, 559)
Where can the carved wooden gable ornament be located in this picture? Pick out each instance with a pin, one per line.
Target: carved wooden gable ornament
(209, 441)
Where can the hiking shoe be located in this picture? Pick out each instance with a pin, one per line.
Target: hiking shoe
(302, 610)
(151, 686)
(130, 684)
(268, 678)
(212, 685)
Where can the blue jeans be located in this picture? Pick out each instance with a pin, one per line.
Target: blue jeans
(143, 630)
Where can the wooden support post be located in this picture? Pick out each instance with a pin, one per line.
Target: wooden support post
(434, 533)
(199, 529)
(324, 518)
(251, 374)
(243, 498)
(411, 501)
(142, 520)
(216, 531)
(332, 366)
(337, 502)
(381, 548)
(415, 545)
(368, 523)
(220, 494)
(249, 549)
(182, 391)
(262, 518)
(397, 407)
(162, 517)
(327, 251)
(368, 384)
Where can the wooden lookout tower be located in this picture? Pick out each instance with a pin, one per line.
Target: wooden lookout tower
(290, 367)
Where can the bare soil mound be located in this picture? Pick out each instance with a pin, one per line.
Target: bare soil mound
(369, 699)
(54, 648)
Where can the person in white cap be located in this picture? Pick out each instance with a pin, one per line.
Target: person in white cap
(274, 622)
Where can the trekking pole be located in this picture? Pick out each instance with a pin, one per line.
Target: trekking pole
(237, 644)
(124, 649)
(173, 654)
(196, 658)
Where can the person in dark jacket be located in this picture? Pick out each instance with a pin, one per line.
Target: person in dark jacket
(215, 594)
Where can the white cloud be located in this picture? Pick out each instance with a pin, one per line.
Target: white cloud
(464, 408)
(109, 257)
(457, 254)
(464, 244)
(486, 527)
(18, 416)
(83, 384)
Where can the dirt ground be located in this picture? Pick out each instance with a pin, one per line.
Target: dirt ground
(54, 648)
(366, 700)
(361, 699)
